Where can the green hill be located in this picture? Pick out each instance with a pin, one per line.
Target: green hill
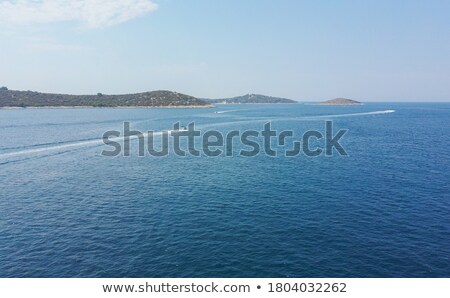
(12, 98)
(252, 98)
(341, 101)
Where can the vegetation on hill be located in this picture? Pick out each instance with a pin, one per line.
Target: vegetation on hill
(252, 98)
(341, 101)
(12, 98)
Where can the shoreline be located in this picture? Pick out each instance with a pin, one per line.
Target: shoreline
(118, 107)
(257, 103)
(340, 104)
(333, 104)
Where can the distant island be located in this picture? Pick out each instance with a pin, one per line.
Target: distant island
(341, 101)
(251, 98)
(150, 99)
(162, 99)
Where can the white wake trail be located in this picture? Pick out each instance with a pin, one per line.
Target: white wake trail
(98, 142)
(45, 149)
(228, 111)
(348, 115)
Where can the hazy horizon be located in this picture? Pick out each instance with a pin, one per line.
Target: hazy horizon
(370, 51)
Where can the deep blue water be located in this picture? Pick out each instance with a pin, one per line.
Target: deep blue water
(381, 211)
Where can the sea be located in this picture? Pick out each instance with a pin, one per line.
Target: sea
(380, 210)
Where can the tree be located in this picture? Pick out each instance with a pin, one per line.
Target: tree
(4, 88)
(99, 94)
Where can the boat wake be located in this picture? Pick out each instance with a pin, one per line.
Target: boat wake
(72, 145)
(229, 111)
(98, 142)
(348, 115)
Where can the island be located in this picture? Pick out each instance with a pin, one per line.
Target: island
(151, 99)
(251, 98)
(341, 101)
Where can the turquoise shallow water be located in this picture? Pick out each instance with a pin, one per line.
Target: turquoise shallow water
(382, 211)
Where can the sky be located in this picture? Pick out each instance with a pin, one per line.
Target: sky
(303, 50)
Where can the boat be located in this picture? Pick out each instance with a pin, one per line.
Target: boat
(180, 129)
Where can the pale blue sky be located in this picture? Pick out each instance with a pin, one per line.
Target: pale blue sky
(304, 50)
